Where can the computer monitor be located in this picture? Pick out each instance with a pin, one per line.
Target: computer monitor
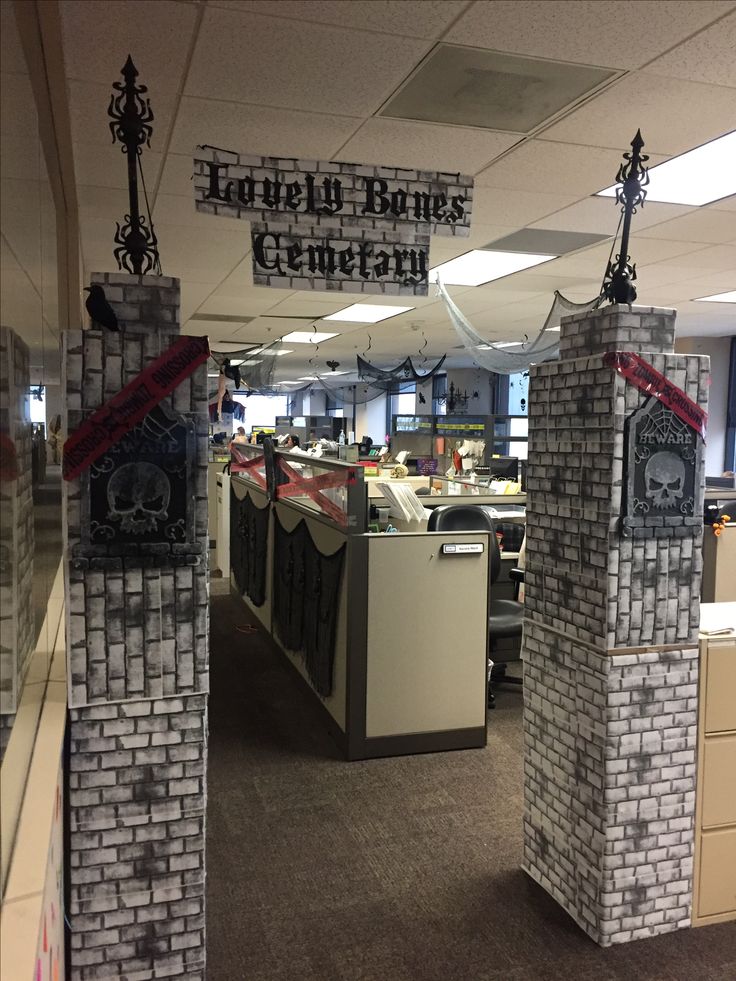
(504, 467)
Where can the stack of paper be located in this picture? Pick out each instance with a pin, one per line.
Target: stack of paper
(403, 502)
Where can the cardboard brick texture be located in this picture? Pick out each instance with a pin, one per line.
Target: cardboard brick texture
(610, 644)
(138, 654)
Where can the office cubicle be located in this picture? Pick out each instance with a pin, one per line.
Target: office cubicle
(376, 649)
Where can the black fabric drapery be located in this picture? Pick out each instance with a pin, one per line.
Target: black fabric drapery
(306, 591)
(248, 547)
(404, 372)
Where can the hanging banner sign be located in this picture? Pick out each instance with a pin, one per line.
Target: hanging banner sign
(636, 371)
(342, 226)
(108, 424)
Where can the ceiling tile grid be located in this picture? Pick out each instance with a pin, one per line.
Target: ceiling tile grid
(308, 78)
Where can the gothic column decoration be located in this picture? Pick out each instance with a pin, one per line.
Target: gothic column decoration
(137, 621)
(614, 534)
(131, 122)
(633, 176)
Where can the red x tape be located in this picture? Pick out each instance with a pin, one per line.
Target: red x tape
(312, 487)
(240, 464)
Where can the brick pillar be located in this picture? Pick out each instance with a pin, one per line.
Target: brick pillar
(612, 608)
(137, 607)
(17, 634)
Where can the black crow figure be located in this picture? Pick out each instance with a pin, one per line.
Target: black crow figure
(99, 309)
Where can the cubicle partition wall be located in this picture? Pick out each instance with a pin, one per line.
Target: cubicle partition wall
(343, 606)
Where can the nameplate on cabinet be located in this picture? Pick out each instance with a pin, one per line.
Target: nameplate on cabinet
(463, 548)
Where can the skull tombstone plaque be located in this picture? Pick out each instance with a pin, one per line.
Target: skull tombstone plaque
(664, 462)
(140, 500)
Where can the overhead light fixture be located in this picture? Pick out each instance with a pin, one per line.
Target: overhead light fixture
(366, 313)
(558, 329)
(235, 362)
(271, 354)
(248, 363)
(287, 383)
(697, 177)
(481, 266)
(729, 297)
(497, 344)
(307, 337)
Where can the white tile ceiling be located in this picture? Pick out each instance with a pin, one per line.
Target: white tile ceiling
(307, 78)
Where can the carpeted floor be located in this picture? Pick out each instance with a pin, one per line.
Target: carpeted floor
(403, 869)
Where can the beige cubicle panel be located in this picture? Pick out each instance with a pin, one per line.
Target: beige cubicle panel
(714, 892)
(719, 564)
(425, 669)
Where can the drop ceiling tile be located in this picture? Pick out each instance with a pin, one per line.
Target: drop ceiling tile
(299, 66)
(21, 150)
(11, 50)
(176, 177)
(673, 116)
(713, 258)
(725, 204)
(176, 209)
(301, 304)
(424, 146)
(259, 130)
(702, 225)
(412, 18)
(254, 303)
(707, 57)
(105, 166)
(98, 34)
(594, 32)
(564, 168)
(595, 214)
(192, 296)
(519, 208)
(90, 123)
(103, 202)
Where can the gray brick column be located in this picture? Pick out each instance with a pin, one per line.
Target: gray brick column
(16, 529)
(611, 662)
(137, 611)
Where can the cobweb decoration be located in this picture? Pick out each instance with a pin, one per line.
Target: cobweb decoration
(387, 378)
(258, 376)
(511, 361)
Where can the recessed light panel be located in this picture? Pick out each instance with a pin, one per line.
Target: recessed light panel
(366, 313)
(480, 266)
(729, 297)
(472, 87)
(307, 337)
(702, 175)
(272, 354)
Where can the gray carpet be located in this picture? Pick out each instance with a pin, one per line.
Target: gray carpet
(403, 869)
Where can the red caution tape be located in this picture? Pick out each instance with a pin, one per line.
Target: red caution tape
(108, 424)
(647, 379)
(312, 487)
(241, 464)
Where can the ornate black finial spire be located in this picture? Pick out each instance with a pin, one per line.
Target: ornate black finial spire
(131, 126)
(633, 176)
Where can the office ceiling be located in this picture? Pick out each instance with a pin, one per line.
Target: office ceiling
(327, 79)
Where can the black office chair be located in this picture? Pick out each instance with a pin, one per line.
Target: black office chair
(505, 617)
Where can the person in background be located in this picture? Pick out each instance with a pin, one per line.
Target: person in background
(292, 442)
(240, 436)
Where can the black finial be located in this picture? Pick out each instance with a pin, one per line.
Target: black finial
(633, 176)
(130, 111)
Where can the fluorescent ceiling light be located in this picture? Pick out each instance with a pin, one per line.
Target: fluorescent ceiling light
(235, 362)
(250, 362)
(366, 313)
(287, 383)
(307, 337)
(702, 175)
(497, 344)
(553, 328)
(483, 265)
(271, 354)
(729, 297)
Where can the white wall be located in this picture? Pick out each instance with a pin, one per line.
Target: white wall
(370, 420)
(472, 380)
(719, 350)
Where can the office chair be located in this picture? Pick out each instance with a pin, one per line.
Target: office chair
(505, 617)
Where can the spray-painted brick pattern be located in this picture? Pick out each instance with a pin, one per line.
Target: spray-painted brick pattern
(341, 200)
(610, 783)
(137, 809)
(16, 530)
(585, 578)
(616, 328)
(137, 650)
(609, 725)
